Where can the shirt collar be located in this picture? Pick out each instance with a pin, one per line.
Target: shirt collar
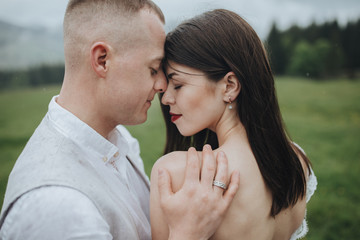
(86, 137)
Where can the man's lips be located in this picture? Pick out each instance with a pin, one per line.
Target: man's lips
(150, 100)
(174, 116)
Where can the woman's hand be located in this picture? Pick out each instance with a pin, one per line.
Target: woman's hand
(197, 209)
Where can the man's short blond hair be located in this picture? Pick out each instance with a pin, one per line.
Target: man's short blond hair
(88, 21)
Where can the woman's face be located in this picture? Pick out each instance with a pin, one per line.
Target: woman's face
(195, 101)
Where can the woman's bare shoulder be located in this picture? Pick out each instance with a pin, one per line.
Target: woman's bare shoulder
(301, 154)
(175, 164)
(171, 161)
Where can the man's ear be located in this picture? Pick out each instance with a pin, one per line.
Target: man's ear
(99, 58)
(232, 87)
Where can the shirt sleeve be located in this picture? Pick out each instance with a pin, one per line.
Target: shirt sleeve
(54, 213)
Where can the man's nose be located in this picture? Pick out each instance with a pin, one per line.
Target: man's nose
(161, 83)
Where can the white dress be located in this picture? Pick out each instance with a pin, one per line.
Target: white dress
(310, 189)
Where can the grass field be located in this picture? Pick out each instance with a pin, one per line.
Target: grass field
(323, 117)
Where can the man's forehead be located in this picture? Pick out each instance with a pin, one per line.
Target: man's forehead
(158, 58)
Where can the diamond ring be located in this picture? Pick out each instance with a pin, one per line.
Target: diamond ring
(220, 184)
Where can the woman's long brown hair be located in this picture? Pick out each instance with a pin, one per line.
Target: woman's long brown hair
(220, 41)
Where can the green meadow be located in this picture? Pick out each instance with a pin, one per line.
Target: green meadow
(321, 116)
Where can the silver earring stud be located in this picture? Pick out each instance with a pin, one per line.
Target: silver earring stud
(230, 106)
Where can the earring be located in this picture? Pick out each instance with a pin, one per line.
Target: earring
(230, 106)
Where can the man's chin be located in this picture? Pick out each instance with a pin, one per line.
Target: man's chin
(138, 121)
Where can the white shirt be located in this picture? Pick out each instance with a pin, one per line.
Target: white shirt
(63, 213)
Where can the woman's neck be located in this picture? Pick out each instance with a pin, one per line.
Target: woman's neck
(230, 129)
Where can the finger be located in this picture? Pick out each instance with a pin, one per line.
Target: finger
(164, 184)
(192, 172)
(232, 189)
(208, 166)
(222, 171)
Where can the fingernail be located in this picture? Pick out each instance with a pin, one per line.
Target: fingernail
(221, 154)
(207, 147)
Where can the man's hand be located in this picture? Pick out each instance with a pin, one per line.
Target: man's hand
(197, 209)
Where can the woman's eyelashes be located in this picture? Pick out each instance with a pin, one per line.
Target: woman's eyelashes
(177, 84)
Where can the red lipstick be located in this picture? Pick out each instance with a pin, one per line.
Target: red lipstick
(174, 116)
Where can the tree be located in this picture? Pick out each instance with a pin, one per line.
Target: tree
(350, 39)
(317, 60)
(303, 61)
(276, 50)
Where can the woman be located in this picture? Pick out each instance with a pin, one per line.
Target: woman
(221, 92)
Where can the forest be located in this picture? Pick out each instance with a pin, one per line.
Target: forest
(318, 52)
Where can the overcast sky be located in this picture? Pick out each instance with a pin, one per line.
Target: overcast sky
(259, 13)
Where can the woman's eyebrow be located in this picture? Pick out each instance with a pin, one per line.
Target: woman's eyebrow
(176, 77)
(186, 73)
(170, 75)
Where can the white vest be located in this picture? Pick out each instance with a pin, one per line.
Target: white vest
(64, 165)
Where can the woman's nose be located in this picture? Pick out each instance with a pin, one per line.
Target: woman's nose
(167, 98)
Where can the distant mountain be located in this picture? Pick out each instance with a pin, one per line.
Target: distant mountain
(22, 47)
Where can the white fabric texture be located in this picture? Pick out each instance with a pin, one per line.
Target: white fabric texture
(79, 218)
(45, 212)
(311, 185)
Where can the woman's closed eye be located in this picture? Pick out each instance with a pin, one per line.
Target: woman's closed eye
(176, 87)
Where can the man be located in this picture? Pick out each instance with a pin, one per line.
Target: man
(80, 175)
